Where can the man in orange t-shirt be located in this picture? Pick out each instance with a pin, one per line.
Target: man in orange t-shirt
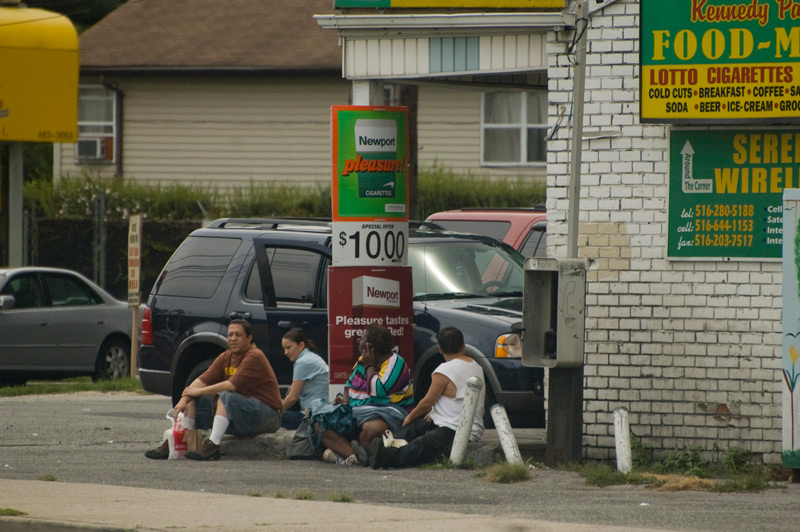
(246, 399)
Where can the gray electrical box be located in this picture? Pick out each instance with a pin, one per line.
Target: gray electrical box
(553, 312)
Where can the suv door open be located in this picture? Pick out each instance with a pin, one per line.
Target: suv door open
(292, 284)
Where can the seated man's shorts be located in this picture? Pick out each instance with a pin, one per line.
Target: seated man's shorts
(247, 416)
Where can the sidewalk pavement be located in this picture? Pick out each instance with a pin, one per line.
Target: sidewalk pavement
(69, 507)
(66, 507)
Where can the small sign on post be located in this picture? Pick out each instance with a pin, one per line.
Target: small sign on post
(134, 269)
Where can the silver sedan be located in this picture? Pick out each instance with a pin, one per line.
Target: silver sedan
(57, 323)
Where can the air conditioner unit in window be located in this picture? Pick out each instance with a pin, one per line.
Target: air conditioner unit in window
(97, 149)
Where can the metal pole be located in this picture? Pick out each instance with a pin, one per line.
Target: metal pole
(135, 333)
(622, 438)
(579, 84)
(506, 435)
(16, 187)
(101, 252)
(464, 427)
(565, 385)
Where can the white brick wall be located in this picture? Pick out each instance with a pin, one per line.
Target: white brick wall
(690, 348)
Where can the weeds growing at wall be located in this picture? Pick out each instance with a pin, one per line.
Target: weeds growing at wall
(733, 470)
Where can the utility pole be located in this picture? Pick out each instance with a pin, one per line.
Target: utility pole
(565, 387)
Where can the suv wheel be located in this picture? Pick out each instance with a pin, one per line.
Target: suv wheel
(198, 370)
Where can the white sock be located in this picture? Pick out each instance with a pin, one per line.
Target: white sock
(188, 423)
(218, 429)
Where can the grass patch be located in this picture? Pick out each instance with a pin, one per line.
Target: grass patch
(279, 495)
(304, 495)
(49, 478)
(752, 482)
(255, 493)
(341, 497)
(736, 470)
(72, 385)
(10, 512)
(508, 473)
(445, 463)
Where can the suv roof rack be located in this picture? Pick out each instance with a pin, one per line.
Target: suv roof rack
(267, 223)
(299, 223)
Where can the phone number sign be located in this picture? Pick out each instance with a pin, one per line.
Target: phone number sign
(716, 61)
(726, 189)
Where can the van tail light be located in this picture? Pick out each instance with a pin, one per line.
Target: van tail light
(147, 326)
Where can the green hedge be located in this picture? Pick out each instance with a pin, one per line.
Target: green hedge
(63, 229)
(74, 197)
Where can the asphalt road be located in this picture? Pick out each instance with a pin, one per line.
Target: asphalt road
(101, 438)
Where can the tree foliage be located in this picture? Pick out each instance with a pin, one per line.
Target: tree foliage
(83, 13)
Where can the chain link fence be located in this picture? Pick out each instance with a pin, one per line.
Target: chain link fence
(98, 248)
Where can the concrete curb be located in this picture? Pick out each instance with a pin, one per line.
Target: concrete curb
(276, 445)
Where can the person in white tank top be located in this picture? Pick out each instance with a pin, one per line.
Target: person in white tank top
(430, 427)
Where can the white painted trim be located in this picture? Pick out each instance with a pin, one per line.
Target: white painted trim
(430, 24)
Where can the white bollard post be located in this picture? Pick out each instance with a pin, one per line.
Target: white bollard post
(461, 439)
(622, 437)
(507, 440)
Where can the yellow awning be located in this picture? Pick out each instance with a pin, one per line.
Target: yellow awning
(38, 76)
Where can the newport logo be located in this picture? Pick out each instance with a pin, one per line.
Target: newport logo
(386, 295)
(376, 292)
(375, 135)
(367, 141)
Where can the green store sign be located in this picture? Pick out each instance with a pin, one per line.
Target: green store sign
(725, 191)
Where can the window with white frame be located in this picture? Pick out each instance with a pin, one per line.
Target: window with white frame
(96, 124)
(514, 128)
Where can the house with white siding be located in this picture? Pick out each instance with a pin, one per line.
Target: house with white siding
(225, 93)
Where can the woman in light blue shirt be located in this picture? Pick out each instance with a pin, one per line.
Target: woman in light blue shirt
(309, 377)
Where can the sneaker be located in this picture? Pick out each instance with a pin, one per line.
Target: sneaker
(361, 453)
(350, 460)
(329, 456)
(159, 453)
(338, 459)
(208, 451)
(377, 453)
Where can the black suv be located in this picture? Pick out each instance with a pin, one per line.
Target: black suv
(273, 272)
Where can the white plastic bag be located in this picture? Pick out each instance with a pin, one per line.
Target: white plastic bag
(390, 441)
(176, 437)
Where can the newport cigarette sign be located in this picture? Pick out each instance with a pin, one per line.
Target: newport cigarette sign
(716, 61)
(370, 157)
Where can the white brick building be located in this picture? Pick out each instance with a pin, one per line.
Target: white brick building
(691, 348)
